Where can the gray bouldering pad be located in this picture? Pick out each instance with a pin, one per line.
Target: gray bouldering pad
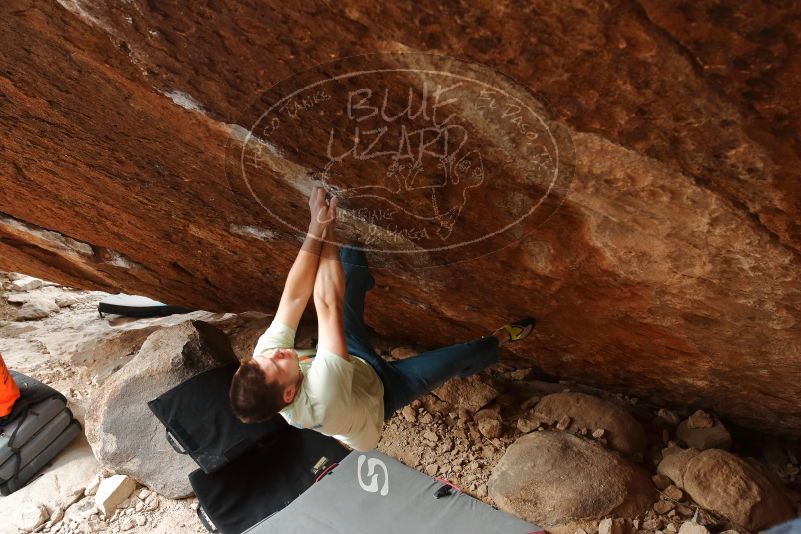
(34, 446)
(371, 493)
(27, 425)
(34, 466)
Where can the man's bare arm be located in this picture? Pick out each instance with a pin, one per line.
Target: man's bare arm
(300, 280)
(329, 298)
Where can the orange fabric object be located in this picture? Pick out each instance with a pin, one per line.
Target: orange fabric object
(9, 392)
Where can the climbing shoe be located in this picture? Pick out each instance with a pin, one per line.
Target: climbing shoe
(517, 330)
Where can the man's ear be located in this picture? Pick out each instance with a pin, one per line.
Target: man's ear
(289, 393)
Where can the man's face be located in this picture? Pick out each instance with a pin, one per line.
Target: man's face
(281, 366)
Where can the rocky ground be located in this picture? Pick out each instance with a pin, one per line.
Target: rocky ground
(571, 458)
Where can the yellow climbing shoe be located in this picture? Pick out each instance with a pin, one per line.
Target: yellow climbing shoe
(517, 330)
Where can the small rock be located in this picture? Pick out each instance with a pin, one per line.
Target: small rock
(481, 492)
(57, 515)
(26, 283)
(431, 470)
(652, 523)
(140, 520)
(112, 491)
(139, 506)
(598, 433)
(671, 527)
(660, 481)
(563, 423)
(91, 489)
(152, 505)
(703, 438)
(700, 419)
(611, 526)
(399, 353)
(472, 392)
(673, 493)
(691, 527)
(520, 374)
(426, 418)
(669, 417)
(684, 510)
(126, 523)
(527, 424)
(64, 301)
(30, 516)
(490, 427)
(19, 298)
(143, 494)
(530, 402)
(36, 308)
(430, 436)
(663, 507)
(409, 414)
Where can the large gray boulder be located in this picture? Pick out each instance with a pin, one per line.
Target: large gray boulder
(124, 434)
(551, 478)
(622, 431)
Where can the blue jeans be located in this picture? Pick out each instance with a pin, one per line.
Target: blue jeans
(404, 380)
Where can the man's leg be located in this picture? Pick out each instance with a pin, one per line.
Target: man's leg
(358, 281)
(425, 372)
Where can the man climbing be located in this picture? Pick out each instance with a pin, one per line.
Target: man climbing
(343, 388)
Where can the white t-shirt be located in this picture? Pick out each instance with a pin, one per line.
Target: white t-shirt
(339, 398)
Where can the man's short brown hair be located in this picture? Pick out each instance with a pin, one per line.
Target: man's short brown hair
(254, 399)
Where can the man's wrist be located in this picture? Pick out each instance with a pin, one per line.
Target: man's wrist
(315, 231)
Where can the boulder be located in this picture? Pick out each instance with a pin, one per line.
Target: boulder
(112, 491)
(622, 432)
(125, 436)
(37, 307)
(674, 463)
(472, 392)
(701, 431)
(733, 488)
(551, 478)
(675, 249)
(26, 283)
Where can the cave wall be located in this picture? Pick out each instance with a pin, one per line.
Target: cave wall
(670, 270)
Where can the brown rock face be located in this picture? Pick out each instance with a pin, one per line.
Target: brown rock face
(670, 268)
